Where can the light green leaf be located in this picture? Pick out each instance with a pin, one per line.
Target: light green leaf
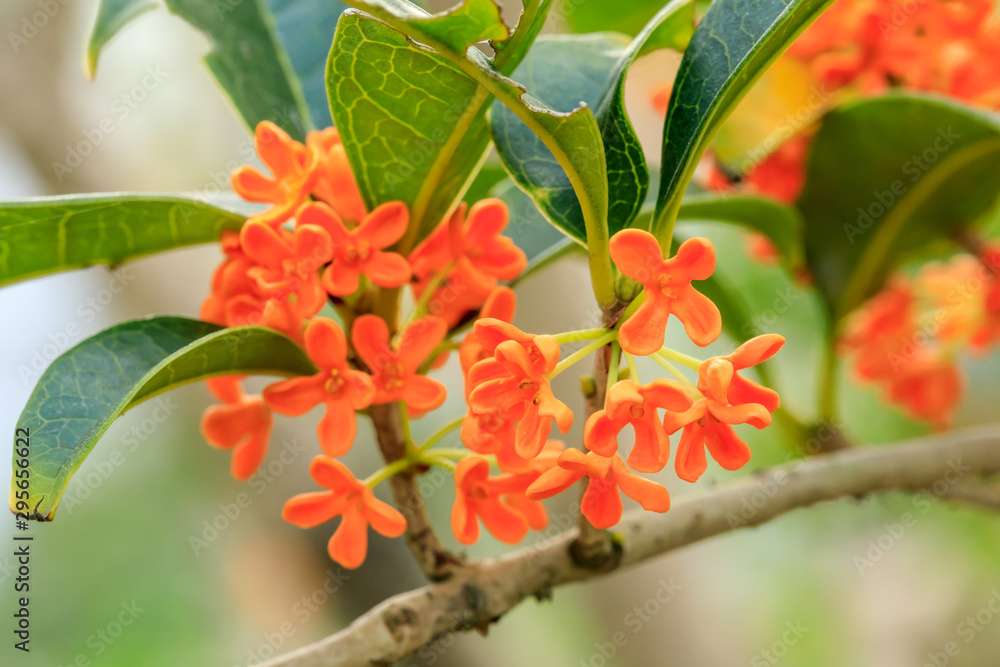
(47, 235)
(564, 70)
(732, 46)
(629, 19)
(456, 29)
(574, 138)
(89, 386)
(887, 176)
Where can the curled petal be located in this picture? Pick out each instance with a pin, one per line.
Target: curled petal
(296, 396)
(337, 428)
(326, 343)
(383, 517)
(600, 434)
(503, 522)
(727, 448)
(601, 503)
(643, 332)
(690, 463)
(695, 258)
(756, 350)
(652, 496)
(553, 481)
(700, 316)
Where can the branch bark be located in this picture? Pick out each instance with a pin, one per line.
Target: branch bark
(480, 593)
(436, 561)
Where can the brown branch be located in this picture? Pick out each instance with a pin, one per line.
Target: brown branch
(482, 592)
(436, 561)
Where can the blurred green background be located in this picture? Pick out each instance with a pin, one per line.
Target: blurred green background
(133, 571)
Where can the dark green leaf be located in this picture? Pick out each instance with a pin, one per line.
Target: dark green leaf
(886, 176)
(305, 30)
(780, 223)
(562, 71)
(733, 44)
(247, 58)
(40, 236)
(112, 15)
(89, 386)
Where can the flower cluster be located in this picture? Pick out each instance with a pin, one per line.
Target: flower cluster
(907, 338)
(318, 266)
(866, 47)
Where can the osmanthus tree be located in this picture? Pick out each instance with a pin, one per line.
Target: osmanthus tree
(379, 257)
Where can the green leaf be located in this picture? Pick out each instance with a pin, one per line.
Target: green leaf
(732, 46)
(886, 176)
(456, 29)
(46, 235)
(564, 70)
(247, 57)
(305, 30)
(112, 16)
(89, 386)
(630, 19)
(780, 223)
(574, 138)
(413, 125)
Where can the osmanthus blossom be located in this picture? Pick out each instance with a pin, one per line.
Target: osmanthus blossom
(601, 503)
(341, 389)
(708, 423)
(394, 367)
(754, 351)
(335, 184)
(241, 423)
(288, 263)
(499, 501)
(350, 499)
(475, 255)
(668, 290)
(629, 403)
(294, 174)
(513, 384)
(361, 251)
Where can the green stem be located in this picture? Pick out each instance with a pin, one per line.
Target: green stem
(384, 473)
(582, 353)
(828, 379)
(420, 307)
(680, 357)
(577, 336)
(440, 462)
(454, 453)
(616, 353)
(673, 370)
(632, 307)
(440, 434)
(632, 368)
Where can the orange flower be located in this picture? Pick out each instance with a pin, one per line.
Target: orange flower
(628, 403)
(294, 174)
(989, 330)
(760, 248)
(668, 290)
(880, 329)
(359, 251)
(929, 387)
(540, 348)
(479, 496)
(751, 353)
(336, 185)
(478, 254)
(236, 299)
(242, 423)
(289, 263)
(349, 498)
(500, 306)
(601, 504)
(708, 424)
(336, 385)
(513, 384)
(394, 368)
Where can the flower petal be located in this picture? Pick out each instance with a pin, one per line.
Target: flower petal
(385, 225)
(383, 517)
(308, 510)
(388, 269)
(652, 496)
(637, 254)
(643, 332)
(337, 428)
(296, 396)
(700, 316)
(690, 463)
(601, 503)
(502, 521)
(349, 545)
(326, 343)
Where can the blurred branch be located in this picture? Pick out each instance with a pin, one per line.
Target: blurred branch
(480, 593)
